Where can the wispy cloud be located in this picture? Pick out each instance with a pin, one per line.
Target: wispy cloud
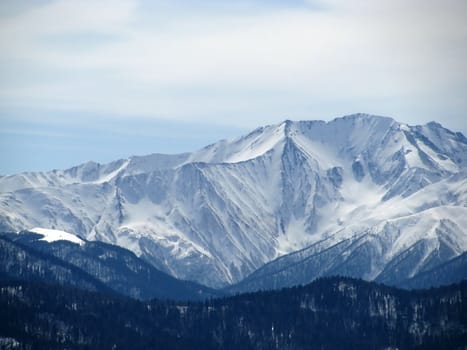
(230, 61)
(101, 80)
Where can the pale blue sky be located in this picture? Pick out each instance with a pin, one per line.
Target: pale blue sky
(102, 80)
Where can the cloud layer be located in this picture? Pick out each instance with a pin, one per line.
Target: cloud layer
(228, 61)
(233, 63)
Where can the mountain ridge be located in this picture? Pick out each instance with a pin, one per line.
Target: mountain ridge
(218, 214)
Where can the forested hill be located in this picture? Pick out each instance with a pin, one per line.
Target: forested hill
(330, 313)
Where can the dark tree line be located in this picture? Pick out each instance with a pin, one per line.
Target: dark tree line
(330, 313)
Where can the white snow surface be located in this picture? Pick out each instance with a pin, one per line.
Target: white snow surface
(220, 213)
(56, 235)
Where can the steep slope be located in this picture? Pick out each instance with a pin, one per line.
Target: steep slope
(218, 214)
(391, 252)
(390, 241)
(94, 266)
(452, 271)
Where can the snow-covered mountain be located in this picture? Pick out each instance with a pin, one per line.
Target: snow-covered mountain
(370, 185)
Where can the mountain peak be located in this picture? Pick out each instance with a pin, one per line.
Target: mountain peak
(265, 138)
(364, 116)
(218, 214)
(368, 120)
